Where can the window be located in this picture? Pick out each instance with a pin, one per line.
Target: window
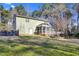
(27, 20)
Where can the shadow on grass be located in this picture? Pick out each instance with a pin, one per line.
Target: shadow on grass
(24, 47)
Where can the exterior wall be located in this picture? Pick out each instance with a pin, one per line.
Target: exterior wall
(26, 26)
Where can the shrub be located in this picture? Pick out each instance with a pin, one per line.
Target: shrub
(77, 35)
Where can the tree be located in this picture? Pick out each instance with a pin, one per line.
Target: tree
(56, 13)
(5, 16)
(45, 9)
(76, 7)
(46, 6)
(20, 10)
(68, 15)
(36, 13)
(1, 8)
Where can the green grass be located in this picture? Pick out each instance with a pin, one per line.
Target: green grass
(28, 37)
(37, 47)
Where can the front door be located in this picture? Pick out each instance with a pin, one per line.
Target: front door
(31, 31)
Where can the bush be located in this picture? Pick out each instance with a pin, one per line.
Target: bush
(77, 35)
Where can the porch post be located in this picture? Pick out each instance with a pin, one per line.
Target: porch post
(41, 29)
(38, 31)
(45, 30)
(0, 17)
(50, 31)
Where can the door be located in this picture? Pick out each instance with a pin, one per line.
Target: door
(30, 31)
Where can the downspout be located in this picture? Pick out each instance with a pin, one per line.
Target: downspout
(77, 22)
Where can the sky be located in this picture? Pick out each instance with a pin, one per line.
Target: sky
(27, 6)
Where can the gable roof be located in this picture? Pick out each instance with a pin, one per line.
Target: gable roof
(39, 19)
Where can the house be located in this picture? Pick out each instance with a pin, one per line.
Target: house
(30, 26)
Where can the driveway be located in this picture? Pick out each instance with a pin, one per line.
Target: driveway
(70, 40)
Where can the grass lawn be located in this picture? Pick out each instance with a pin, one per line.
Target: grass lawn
(37, 46)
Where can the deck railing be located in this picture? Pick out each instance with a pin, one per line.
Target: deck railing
(9, 33)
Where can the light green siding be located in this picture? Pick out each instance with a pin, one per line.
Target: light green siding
(26, 27)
